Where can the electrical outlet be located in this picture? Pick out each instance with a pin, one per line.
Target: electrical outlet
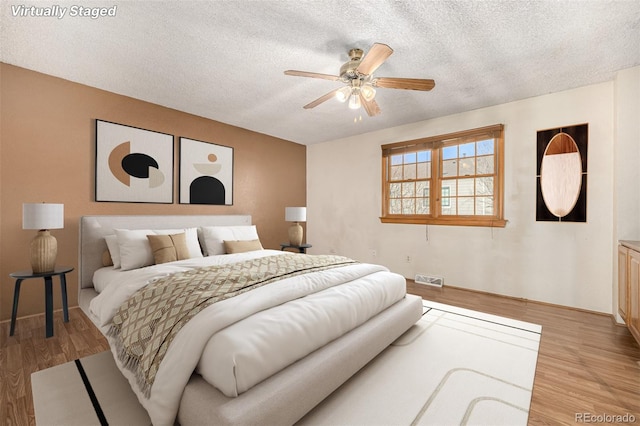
(408, 259)
(374, 253)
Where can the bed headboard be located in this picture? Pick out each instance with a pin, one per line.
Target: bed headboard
(93, 229)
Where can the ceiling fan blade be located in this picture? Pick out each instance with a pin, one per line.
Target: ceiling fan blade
(403, 83)
(321, 99)
(371, 106)
(312, 75)
(374, 58)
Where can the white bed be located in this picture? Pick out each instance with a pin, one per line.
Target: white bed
(350, 314)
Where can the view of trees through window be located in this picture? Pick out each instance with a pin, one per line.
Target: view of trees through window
(410, 182)
(451, 179)
(467, 178)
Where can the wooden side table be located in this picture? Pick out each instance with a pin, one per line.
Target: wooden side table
(301, 248)
(20, 276)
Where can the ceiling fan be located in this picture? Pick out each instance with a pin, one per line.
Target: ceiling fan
(357, 73)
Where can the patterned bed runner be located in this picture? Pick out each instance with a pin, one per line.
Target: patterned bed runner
(147, 323)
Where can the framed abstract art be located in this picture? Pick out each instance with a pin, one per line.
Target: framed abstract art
(133, 165)
(561, 176)
(206, 173)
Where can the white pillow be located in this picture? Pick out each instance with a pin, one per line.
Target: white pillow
(214, 237)
(114, 249)
(135, 251)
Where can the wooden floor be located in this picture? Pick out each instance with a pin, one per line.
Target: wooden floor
(586, 364)
(28, 351)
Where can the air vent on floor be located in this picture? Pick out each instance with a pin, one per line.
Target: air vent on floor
(429, 280)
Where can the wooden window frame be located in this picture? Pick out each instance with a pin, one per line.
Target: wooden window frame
(436, 144)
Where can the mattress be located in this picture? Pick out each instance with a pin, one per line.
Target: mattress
(247, 352)
(247, 349)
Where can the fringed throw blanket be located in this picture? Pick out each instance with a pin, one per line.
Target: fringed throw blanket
(145, 325)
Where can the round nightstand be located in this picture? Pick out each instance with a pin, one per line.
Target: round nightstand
(301, 248)
(20, 276)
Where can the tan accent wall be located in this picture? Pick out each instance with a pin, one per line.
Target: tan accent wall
(47, 154)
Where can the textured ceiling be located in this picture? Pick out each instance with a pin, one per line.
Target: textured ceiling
(224, 60)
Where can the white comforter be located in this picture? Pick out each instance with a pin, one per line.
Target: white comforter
(280, 323)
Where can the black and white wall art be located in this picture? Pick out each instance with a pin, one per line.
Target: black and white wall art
(206, 173)
(132, 164)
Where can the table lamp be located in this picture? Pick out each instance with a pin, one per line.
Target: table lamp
(296, 215)
(44, 247)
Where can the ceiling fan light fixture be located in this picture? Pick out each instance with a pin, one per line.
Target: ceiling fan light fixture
(354, 100)
(368, 92)
(343, 94)
(357, 75)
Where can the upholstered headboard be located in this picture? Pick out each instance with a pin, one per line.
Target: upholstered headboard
(93, 229)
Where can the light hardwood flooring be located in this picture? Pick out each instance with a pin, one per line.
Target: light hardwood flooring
(28, 351)
(586, 363)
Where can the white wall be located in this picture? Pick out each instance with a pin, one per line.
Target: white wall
(562, 263)
(627, 154)
(626, 161)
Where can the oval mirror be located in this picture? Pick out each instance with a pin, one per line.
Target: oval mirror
(561, 174)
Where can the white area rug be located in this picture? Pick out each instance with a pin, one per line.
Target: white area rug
(455, 366)
(62, 396)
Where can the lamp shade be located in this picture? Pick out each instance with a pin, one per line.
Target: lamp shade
(42, 216)
(295, 214)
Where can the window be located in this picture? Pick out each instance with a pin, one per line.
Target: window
(454, 179)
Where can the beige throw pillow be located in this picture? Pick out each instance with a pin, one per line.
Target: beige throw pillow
(168, 248)
(106, 258)
(241, 246)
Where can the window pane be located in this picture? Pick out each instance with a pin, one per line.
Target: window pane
(484, 206)
(408, 189)
(395, 206)
(396, 159)
(410, 158)
(395, 190)
(465, 206)
(408, 205)
(422, 189)
(422, 205)
(485, 147)
(467, 166)
(484, 186)
(424, 170)
(448, 205)
(450, 152)
(396, 172)
(424, 156)
(465, 186)
(446, 194)
(485, 165)
(449, 188)
(450, 168)
(468, 150)
(410, 171)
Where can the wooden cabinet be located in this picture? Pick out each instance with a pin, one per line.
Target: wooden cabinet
(634, 294)
(623, 282)
(629, 285)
